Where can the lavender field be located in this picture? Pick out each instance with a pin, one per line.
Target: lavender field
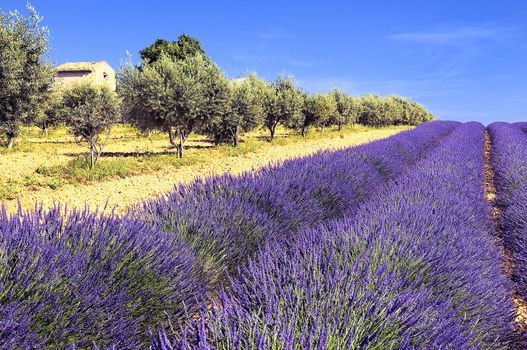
(389, 245)
(263, 175)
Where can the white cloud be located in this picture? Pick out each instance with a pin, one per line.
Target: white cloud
(455, 36)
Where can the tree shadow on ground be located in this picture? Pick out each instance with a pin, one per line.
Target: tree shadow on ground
(168, 151)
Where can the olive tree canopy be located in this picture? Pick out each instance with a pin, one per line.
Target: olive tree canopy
(173, 96)
(245, 112)
(25, 73)
(91, 110)
(283, 103)
(317, 111)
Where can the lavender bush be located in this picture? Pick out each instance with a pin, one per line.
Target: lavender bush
(415, 268)
(509, 161)
(227, 218)
(85, 277)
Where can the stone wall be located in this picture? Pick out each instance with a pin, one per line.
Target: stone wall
(97, 72)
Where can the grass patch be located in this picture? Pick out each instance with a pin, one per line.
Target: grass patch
(78, 169)
(9, 190)
(130, 154)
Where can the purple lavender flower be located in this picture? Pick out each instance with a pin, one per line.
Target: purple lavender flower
(416, 267)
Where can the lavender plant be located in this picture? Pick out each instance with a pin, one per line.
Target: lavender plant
(509, 161)
(415, 268)
(86, 277)
(227, 218)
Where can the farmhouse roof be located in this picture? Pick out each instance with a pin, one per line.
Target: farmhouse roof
(78, 66)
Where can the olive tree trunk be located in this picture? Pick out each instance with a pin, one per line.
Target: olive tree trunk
(237, 136)
(171, 137)
(181, 143)
(92, 156)
(10, 141)
(272, 129)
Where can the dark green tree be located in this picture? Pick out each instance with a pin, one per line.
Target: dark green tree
(186, 46)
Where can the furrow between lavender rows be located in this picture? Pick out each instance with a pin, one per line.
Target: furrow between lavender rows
(415, 267)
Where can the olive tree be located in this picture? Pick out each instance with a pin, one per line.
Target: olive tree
(91, 110)
(283, 103)
(51, 111)
(25, 73)
(419, 114)
(394, 111)
(173, 96)
(318, 110)
(355, 110)
(348, 108)
(372, 112)
(246, 110)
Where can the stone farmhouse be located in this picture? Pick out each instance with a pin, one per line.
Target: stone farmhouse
(71, 73)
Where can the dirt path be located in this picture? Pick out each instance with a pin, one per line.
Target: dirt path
(122, 193)
(508, 265)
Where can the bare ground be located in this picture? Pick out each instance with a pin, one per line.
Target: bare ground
(123, 193)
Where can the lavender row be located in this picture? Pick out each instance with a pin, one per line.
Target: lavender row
(83, 277)
(227, 218)
(416, 268)
(509, 161)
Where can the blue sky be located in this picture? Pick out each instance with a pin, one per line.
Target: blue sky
(464, 60)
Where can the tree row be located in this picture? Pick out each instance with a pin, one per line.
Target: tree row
(176, 89)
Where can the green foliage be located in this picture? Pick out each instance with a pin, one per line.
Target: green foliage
(348, 108)
(51, 112)
(185, 47)
(35, 182)
(283, 103)
(9, 191)
(392, 110)
(219, 100)
(177, 89)
(245, 113)
(79, 170)
(373, 111)
(171, 95)
(25, 74)
(318, 110)
(91, 110)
